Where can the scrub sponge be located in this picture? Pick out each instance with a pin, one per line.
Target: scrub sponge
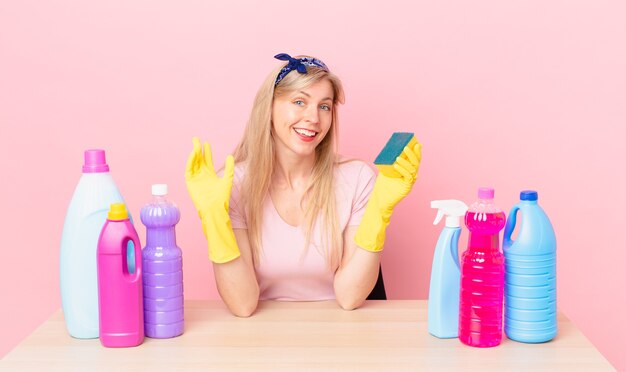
(398, 141)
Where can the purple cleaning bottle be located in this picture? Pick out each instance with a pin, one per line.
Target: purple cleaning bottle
(162, 267)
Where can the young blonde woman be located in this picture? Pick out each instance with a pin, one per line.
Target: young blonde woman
(289, 219)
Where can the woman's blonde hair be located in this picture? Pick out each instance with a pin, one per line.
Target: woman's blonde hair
(257, 151)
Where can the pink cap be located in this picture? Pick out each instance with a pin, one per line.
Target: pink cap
(95, 161)
(485, 193)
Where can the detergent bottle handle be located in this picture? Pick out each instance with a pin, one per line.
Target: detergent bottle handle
(136, 275)
(510, 226)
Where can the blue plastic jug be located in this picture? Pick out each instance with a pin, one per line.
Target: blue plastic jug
(530, 273)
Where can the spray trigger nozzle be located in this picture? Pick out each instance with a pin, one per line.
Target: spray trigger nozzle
(439, 217)
(452, 209)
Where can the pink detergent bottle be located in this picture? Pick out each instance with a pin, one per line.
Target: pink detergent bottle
(482, 274)
(120, 297)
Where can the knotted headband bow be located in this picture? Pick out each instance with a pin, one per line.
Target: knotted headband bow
(298, 64)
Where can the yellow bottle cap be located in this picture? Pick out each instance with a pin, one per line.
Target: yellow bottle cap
(118, 212)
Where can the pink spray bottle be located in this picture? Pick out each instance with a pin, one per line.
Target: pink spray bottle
(120, 296)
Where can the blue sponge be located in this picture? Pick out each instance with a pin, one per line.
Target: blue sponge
(394, 147)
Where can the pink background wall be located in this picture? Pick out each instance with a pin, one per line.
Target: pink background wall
(528, 94)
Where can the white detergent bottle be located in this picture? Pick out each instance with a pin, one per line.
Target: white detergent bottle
(445, 275)
(86, 215)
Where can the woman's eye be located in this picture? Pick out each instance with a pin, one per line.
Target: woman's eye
(325, 107)
(299, 102)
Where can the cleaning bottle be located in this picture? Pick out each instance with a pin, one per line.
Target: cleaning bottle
(84, 220)
(120, 297)
(445, 276)
(482, 274)
(530, 273)
(162, 267)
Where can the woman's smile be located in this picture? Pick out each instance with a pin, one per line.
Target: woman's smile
(305, 134)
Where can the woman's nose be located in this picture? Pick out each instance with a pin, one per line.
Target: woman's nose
(312, 115)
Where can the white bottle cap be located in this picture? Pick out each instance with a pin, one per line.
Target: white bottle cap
(159, 189)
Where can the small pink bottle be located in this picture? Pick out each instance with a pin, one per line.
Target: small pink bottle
(482, 274)
(120, 296)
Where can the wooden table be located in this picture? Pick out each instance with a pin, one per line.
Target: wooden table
(294, 336)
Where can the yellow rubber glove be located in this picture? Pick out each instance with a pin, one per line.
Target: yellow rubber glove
(211, 196)
(386, 194)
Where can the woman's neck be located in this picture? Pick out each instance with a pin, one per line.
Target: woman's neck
(292, 172)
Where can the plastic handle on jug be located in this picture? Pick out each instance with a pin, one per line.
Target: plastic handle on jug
(510, 226)
(136, 275)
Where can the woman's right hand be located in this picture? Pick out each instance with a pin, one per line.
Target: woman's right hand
(211, 195)
(207, 190)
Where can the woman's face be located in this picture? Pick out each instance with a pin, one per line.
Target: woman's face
(301, 119)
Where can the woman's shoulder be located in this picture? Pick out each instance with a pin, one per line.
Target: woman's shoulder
(240, 167)
(240, 170)
(352, 168)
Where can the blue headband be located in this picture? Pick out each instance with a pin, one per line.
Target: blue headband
(297, 64)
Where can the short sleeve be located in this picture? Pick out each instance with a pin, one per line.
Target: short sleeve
(364, 178)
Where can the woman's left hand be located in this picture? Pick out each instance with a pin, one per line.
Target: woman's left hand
(387, 193)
